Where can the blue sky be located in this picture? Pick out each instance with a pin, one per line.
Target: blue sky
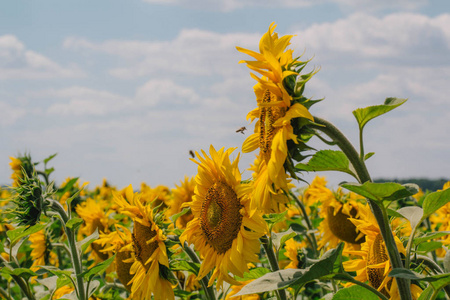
(123, 90)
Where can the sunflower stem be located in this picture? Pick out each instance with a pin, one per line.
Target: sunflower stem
(23, 286)
(308, 222)
(268, 248)
(204, 281)
(379, 211)
(4, 294)
(75, 255)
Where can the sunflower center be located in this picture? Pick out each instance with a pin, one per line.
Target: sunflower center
(220, 218)
(341, 226)
(377, 254)
(143, 250)
(269, 114)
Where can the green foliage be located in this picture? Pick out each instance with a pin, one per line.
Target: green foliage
(354, 292)
(364, 115)
(387, 191)
(327, 160)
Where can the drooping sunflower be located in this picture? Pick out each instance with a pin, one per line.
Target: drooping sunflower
(41, 253)
(374, 264)
(275, 111)
(115, 242)
(222, 230)
(150, 261)
(293, 249)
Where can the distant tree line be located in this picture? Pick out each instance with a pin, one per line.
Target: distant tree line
(424, 183)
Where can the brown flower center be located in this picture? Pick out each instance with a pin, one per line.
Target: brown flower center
(123, 269)
(377, 254)
(142, 250)
(269, 114)
(220, 218)
(341, 226)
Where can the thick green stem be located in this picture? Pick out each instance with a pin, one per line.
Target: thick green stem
(204, 281)
(75, 255)
(379, 212)
(267, 244)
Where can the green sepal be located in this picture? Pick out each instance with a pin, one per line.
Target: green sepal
(364, 115)
(387, 191)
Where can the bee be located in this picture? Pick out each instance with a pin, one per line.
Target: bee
(241, 130)
(192, 153)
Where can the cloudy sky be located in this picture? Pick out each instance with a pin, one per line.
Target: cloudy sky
(124, 89)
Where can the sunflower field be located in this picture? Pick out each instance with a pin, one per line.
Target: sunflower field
(220, 236)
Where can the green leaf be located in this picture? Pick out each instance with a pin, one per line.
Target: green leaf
(428, 247)
(98, 268)
(254, 273)
(327, 160)
(84, 244)
(437, 281)
(288, 277)
(275, 218)
(184, 265)
(74, 223)
(355, 292)
(175, 217)
(21, 272)
(279, 239)
(426, 294)
(67, 187)
(386, 191)
(413, 214)
(368, 155)
(23, 231)
(49, 158)
(430, 236)
(434, 201)
(364, 115)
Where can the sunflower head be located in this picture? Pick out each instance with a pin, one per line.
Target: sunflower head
(223, 230)
(29, 200)
(21, 165)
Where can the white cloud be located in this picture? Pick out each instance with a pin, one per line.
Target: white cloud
(16, 62)
(10, 114)
(400, 38)
(193, 51)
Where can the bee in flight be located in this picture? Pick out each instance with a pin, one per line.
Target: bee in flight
(192, 153)
(241, 130)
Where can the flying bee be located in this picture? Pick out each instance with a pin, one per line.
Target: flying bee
(192, 153)
(241, 130)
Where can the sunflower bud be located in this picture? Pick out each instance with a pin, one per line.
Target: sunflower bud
(28, 199)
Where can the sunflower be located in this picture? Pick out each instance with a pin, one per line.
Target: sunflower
(374, 265)
(16, 167)
(293, 248)
(222, 229)
(95, 216)
(115, 242)
(275, 111)
(41, 253)
(182, 194)
(160, 196)
(150, 266)
(62, 291)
